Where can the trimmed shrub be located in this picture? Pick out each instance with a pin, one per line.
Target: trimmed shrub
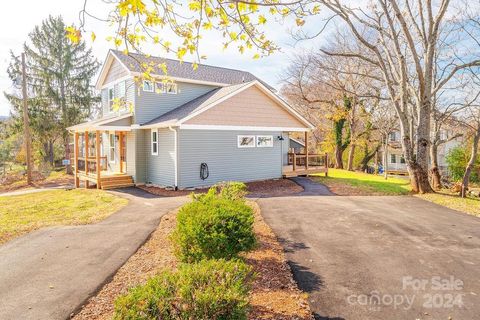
(207, 290)
(213, 228)
(232, 190)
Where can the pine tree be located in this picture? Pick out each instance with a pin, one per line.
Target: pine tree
(59, 76)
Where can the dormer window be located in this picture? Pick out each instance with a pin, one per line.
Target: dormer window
(148, 86)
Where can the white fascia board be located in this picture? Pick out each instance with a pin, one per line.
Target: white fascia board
(240, 128)
(106, 67)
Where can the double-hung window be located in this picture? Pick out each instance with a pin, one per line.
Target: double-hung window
(154, 142)
(393, 158)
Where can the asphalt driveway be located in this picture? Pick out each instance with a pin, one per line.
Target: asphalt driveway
(49, 273)
(380, 257)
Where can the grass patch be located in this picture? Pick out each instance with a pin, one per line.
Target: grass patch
(453, 201)
(343, 182)
(23, 213)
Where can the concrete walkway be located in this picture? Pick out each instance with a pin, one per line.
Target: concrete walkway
(49, 273)
(311, 188)
(349, 252)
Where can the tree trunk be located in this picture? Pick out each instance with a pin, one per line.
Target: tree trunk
(470, 165)
(368, 156)
(434, 171)
(338, 157)
(351, 154)
(417, 163)
(66, 144)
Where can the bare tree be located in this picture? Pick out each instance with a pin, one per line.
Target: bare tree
(402, 37)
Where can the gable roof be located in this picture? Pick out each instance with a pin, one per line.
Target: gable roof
(178, 70)
(208, 100)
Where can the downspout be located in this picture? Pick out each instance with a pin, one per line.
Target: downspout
(175, 159)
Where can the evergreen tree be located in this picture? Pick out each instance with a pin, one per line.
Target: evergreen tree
(59, 76)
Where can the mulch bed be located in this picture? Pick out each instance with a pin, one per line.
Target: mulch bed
(275, 294)
(265, 188)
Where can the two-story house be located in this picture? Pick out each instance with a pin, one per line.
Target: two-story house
(396, 161)
(193, 128)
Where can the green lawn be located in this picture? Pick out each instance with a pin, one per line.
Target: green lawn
(23, 213)
(345, 182)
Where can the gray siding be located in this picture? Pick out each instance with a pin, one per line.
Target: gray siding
(226, 162)
(149, 105)
(131, 154)
(161, 167)
(141, 156)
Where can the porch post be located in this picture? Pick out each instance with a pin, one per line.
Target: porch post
(306, 150)
(97, 156)
(120, 141)
(87, 183)
(75, 159)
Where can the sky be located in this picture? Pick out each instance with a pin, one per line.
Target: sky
(21, 16)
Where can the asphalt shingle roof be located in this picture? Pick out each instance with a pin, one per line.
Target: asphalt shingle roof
(197, 104)
(175, 68)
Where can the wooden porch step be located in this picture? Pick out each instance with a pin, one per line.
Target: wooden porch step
(118, 185)
(120, 181)
(115, 177)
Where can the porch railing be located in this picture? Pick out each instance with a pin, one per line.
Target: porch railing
(92, 164)
(306, 161)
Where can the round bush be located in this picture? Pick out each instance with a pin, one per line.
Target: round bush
(207, 290)
(212, 229)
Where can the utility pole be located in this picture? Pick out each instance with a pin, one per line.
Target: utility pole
(26, 123)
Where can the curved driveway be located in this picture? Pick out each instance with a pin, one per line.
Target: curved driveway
(378, 257)
(49, 273)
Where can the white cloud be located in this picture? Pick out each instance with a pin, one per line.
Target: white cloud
(22, 16)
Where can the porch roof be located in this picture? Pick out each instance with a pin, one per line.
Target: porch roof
(106, 123)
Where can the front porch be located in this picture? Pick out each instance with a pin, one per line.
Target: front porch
(92, 166)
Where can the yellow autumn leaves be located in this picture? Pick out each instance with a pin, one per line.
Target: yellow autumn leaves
(241, 23)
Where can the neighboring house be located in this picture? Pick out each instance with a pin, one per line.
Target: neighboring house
(192, 129)
(396, 161)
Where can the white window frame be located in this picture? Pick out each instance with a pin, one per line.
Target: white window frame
(112, 147)
(239, 137)
(270, 145)
(160, 87)
(169, 85)
(152, 86)
(154, 143)
(394, 158)
(110, 98)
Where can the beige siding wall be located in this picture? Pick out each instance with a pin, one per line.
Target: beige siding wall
(251, 107)
(115, 72)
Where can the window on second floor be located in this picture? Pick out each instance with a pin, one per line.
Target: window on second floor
(392, 136)
(111, 96)
(402, 159)
(171, 88)
(148, 86)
